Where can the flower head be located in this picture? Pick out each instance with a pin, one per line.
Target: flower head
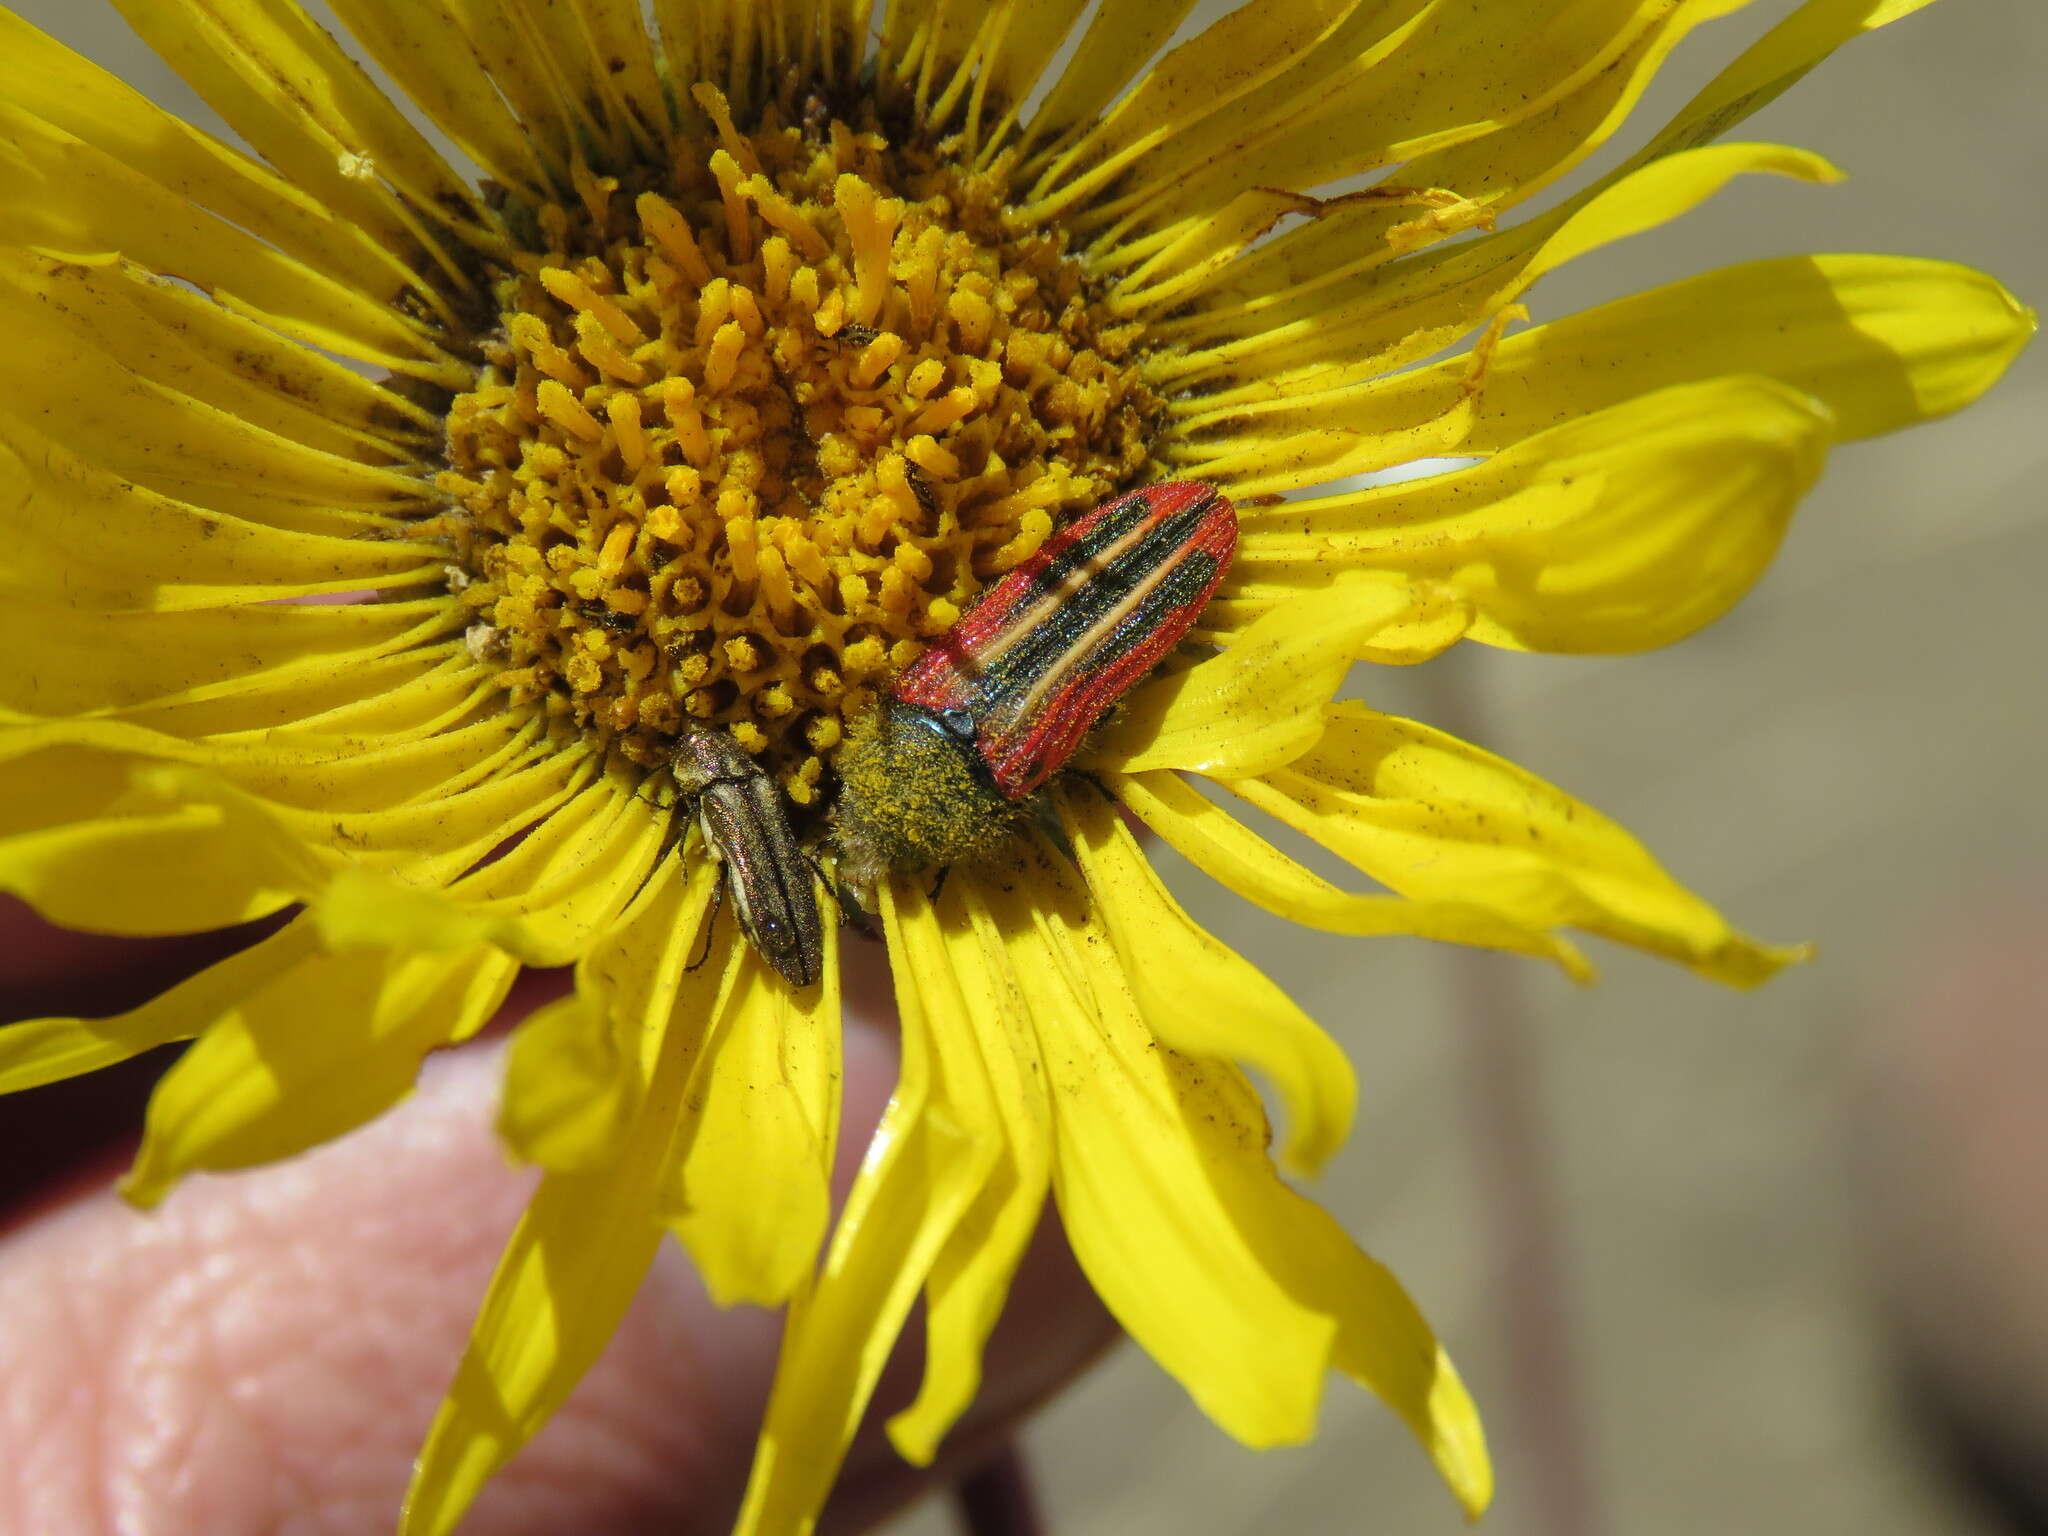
(758, 351)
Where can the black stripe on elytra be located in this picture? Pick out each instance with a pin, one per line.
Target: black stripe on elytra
(1114, 527)
(1051, 644)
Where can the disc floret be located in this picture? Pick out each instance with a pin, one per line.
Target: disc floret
(755, 426)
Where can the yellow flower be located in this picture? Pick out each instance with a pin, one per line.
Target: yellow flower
(759, 349)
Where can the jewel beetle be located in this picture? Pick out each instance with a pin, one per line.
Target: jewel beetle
(947, 764)
(746, 825)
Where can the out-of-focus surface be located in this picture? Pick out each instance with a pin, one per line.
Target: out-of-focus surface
(1854, 757)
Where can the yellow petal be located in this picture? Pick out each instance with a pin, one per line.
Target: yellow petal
(1249, 461)
(1157, 202)
(177, 848)
(545, 901)
(46, 782)
(567, 45)
(610, 49)
(1433, 817)
(202, 655)
(175, 338)
(311, 1052)
(1242, 1291)
(434, 839)
(1200, 247)
(424, 48)
(1121, 37)
(88, 530)
(259, 851)
(422, 692)
(1882, 341)
(1459, 72)
(337, 770)
(1201, 998)
(1257, 703)
(571, 1268)
(563, 1284)
(172, 843)
(1620, 531)
(1386, 318)
(970, 1278)
(1443, 193)
(286, 87)
(566, 1278)
(933, 1152)
(153, 872)
(61, 193)
(143, 849)
(925, 46)
(1032, 33)
(1222, 848)
(752, 1197)
(41, 76)
(574, 1069)
(39, 1051)
(1771, 65)
(1468, 184)
(567, 882)
(1238, 53)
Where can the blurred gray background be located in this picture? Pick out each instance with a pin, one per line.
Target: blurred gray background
(1855, 756)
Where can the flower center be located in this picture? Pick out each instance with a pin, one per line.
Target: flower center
(758, 424)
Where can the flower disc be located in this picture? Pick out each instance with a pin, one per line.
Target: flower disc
(754, 427)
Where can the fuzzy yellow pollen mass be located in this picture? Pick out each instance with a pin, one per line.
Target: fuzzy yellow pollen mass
(757, 424)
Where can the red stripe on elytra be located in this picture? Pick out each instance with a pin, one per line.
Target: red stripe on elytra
(1021, 739)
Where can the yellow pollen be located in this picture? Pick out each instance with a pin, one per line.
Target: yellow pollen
(759, 423)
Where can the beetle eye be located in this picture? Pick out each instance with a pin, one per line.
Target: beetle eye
(958, 722)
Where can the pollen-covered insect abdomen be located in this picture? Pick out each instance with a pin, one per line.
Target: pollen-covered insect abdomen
(1045, 652)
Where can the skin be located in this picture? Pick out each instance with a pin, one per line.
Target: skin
(265, 1351)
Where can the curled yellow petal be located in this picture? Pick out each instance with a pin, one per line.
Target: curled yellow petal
(1200, 997)
(566, 1278)
(1882, 341)
(38, 1051)
(1436, 818)
(1242, 1290)
(1232, 854)
(151, 848)
(311, 1052)
(1619, 531)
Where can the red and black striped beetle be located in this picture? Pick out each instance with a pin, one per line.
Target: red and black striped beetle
(945, 768)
